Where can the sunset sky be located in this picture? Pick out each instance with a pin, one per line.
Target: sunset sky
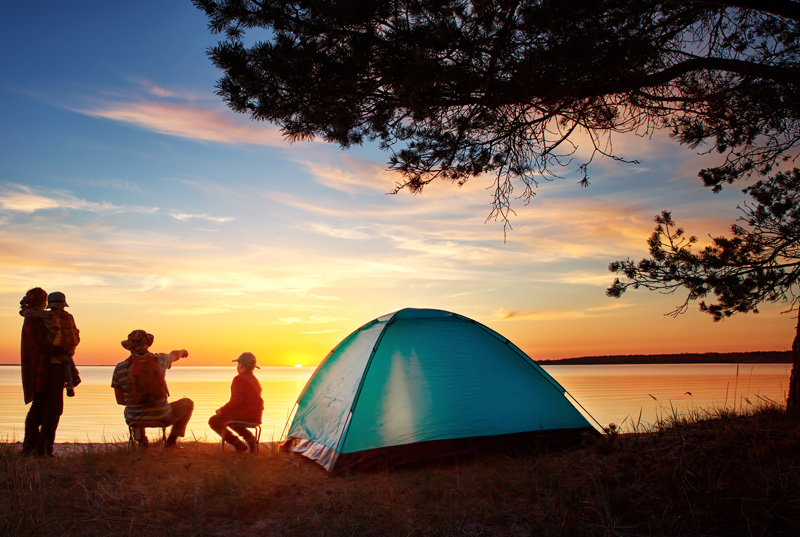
(128, 185)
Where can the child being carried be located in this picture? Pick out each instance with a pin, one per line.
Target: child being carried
(61, 332)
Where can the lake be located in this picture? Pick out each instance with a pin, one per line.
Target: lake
(630, 396)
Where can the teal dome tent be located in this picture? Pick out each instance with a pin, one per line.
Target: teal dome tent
(421, 383)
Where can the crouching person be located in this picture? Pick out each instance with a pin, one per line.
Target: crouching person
(139, 383)
(245, 404)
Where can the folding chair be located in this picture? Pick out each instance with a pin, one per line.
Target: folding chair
(246, 424)
(132, 426)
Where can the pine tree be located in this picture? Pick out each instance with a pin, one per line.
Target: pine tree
(759, 263)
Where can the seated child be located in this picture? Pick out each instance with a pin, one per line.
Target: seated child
(61, 332)
(245, 405)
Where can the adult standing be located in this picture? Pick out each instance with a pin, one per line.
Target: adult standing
(42, 378)
(145, 399)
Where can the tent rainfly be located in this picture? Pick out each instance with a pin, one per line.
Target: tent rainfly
(422, 383)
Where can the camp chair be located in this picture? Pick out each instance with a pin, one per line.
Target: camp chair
(133, 425)
(247, 425)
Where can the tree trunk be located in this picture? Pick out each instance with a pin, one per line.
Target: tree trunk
(793, 400)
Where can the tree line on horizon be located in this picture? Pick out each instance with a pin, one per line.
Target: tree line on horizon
(753, 357)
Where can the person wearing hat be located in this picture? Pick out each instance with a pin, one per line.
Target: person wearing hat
(245, 404)
(62, 333)
(176, 414)
(65, 335)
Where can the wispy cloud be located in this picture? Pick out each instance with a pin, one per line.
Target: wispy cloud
(312, 319)
(339, 232)
(185, 217)
(354, 176)
(16, 198)
(189, 121)
(169, 93)
(581, 277)
(450, 226)
(556, 315)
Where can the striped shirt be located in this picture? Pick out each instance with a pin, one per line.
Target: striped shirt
(160, 411)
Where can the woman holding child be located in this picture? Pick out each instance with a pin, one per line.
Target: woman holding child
(42, 380)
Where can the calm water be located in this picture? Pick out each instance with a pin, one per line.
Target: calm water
(628, 395)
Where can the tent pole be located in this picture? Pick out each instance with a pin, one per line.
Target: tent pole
(575, 401)
(286, 425)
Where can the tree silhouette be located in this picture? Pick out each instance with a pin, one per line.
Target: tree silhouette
(456, 88)
(759, 263)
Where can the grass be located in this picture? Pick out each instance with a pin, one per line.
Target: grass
(709, 473)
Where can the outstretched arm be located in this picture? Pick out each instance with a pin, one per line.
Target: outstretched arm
(177, 355)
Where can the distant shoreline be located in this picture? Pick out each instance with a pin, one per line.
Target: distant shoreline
(756, 357)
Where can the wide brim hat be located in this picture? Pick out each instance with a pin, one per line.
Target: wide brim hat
(138, 340)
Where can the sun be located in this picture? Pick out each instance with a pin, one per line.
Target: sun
(298, 365)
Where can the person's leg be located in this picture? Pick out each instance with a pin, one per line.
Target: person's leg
(246, 435)
(32, 423)
(73, 372)
(140, 436)
(54, 407)
(234, 440)
(217, 424)
(181, 414)
(67, 373)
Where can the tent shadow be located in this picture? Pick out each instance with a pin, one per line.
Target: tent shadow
(443, 453)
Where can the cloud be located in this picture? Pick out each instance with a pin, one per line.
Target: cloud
(164, 93)
(350, 233)
(188, 121)
(354, 176)
(201, 310)
(313, 319)
(185, 217)
(555, 315)
(450, 228)
(16, 198)
(578, 277)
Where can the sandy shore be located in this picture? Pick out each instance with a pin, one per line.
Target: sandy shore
(69, 448)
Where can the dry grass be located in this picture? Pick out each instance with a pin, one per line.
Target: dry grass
(709, 474)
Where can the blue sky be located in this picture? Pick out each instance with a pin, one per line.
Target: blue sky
(128, 185)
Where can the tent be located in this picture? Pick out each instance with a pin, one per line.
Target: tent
(421, 383)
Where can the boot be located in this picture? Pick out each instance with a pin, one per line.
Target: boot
(250, 440)
(234, 441)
